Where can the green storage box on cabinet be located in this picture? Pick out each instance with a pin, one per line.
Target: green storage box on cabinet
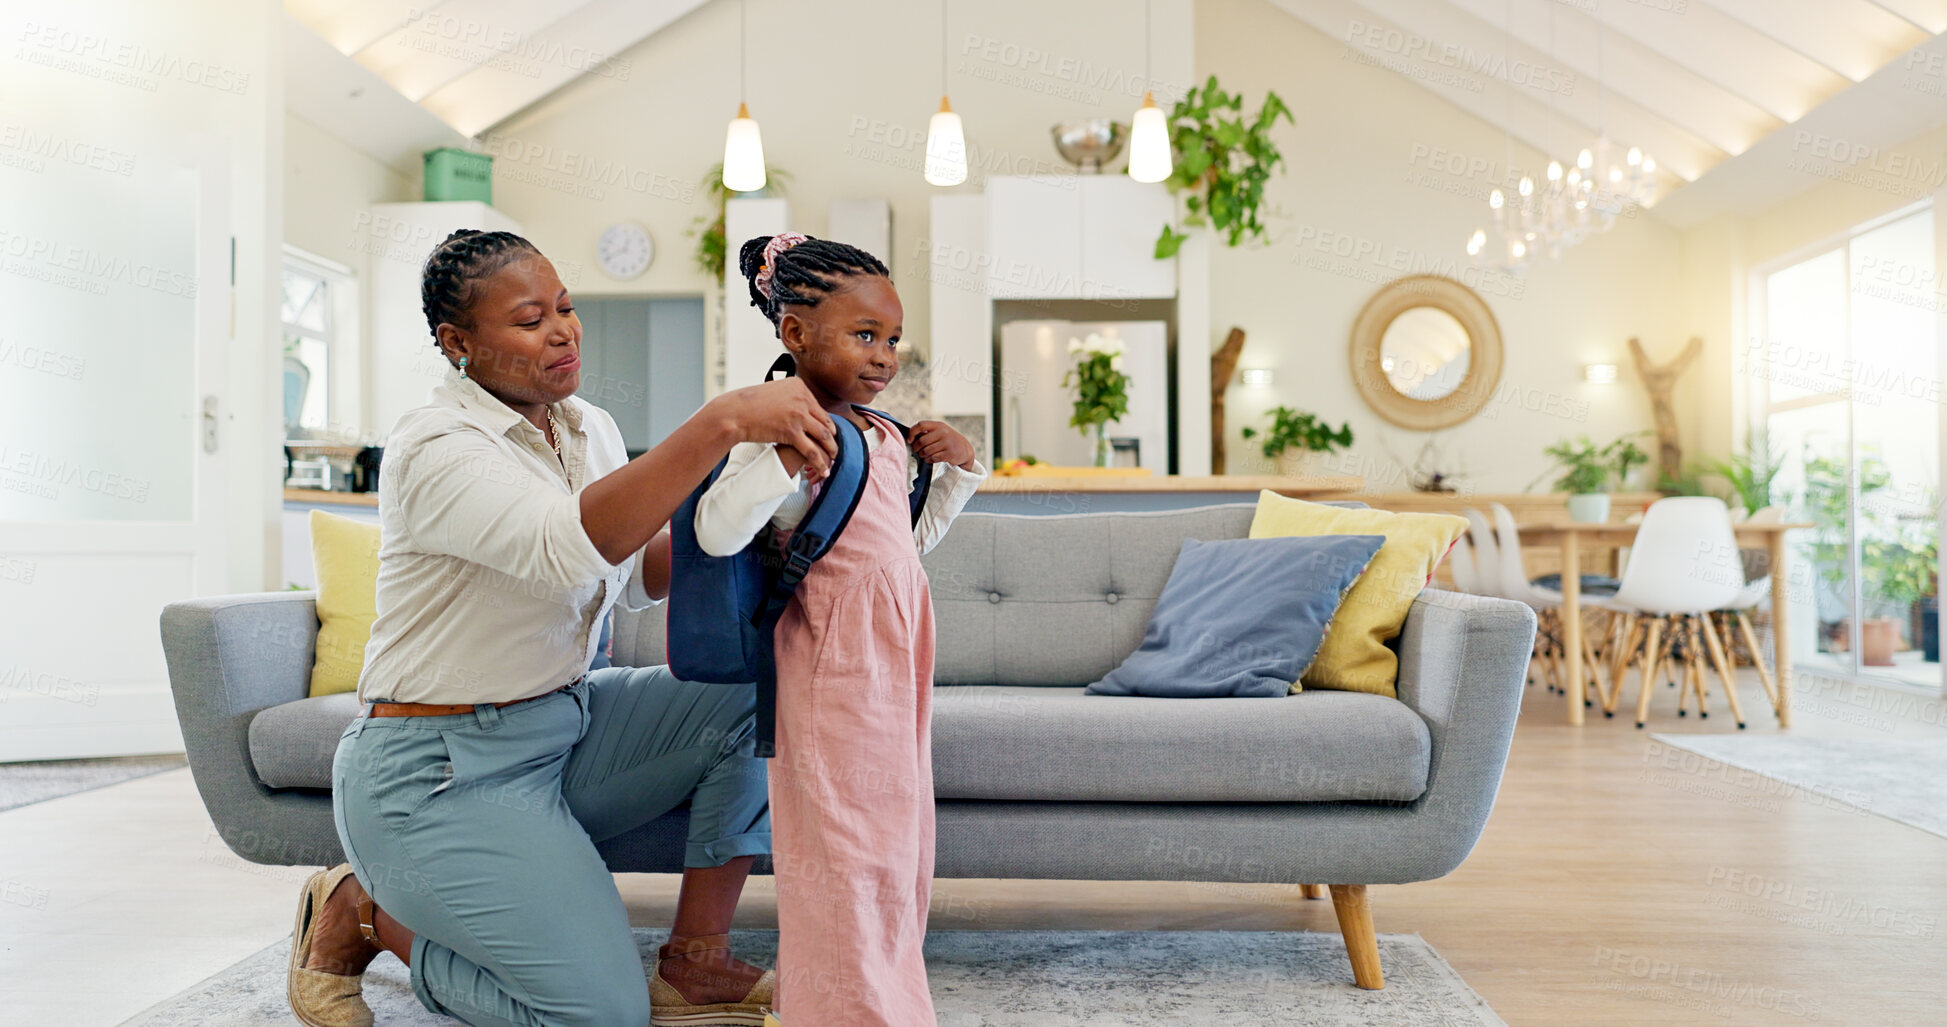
(454, 174)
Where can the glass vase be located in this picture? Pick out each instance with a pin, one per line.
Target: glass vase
(1101, 445)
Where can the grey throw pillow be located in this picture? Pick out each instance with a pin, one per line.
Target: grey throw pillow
(1241, 617)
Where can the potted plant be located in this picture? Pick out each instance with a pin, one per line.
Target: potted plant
(1100, 388)
(1296, 438)
(1590, 471)
(1750, 474)
(1828, 503)
(1222, 160)
(1898, 572)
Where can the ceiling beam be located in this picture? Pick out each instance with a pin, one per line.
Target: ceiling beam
(343, 97)
(1920, 15)
(1853, 38)
(489, 95)
(1889, 131)
(1508, 110)
(1451, 52)
(353, 25)
(437, 47)
(1612, 63)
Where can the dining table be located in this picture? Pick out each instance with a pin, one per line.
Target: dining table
(1574, 539)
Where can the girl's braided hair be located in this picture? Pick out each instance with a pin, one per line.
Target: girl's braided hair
(804, 271)
(464, 258)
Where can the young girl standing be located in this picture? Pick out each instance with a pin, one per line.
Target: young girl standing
(852, 784)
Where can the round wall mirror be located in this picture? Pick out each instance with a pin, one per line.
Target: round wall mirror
(1426, 352)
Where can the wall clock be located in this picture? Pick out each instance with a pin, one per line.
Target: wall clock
(625, 250)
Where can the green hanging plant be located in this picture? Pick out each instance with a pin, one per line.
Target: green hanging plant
(1223, 161)
(712, 249)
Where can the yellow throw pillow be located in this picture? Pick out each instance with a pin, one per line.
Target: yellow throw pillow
(346, 554)
(1354, 657)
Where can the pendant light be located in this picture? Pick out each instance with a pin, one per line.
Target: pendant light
(946, 141)
(743, 146)
(1149, 131)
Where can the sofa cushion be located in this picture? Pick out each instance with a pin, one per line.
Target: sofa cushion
(1058, 744)
(1241, 617)
(1355, 656)
(345, 553)
(291, 744)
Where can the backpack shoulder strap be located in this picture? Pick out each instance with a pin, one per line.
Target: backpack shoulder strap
(922, 478)
(830, 510)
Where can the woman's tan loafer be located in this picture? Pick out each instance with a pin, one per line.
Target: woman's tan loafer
(318, 998)
(668, 1007)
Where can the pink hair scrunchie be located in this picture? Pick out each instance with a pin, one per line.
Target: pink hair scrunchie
(778, 244)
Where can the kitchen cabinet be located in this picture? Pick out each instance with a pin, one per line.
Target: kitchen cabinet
(1076, 237)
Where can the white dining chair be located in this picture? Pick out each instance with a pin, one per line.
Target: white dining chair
(1546, 602)
(1683, 564)
(1460, 564)
(1756, 565)
(1487, 556)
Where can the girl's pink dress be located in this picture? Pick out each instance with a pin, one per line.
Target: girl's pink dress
(852, 783)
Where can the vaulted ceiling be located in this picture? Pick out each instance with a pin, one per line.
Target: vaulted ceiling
(1696, 83)
(476, 63)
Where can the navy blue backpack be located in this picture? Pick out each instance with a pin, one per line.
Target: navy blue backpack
(723, 610)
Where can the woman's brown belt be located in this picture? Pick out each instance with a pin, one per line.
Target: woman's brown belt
(432, 709)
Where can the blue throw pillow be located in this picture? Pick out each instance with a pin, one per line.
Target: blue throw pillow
(1241, 617)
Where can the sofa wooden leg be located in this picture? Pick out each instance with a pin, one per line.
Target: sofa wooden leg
(1355, 923)
(1312, 891)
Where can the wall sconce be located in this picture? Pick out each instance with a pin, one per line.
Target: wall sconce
(1257, 376)
(1599, 374)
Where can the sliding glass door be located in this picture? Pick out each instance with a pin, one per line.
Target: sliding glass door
(1845, 379)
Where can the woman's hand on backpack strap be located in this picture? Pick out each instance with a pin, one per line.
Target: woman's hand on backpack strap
(783, 412)
(938, 442)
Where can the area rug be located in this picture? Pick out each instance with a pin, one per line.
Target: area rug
(23, 784)
(1016, 979)
(1899, 779)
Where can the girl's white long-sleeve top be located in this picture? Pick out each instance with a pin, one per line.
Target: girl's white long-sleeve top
(753, 489)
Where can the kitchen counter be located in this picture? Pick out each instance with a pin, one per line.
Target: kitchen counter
(1248, 483)
(1060, 494)
(323, 497)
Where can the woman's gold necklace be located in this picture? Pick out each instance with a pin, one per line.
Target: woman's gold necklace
(554, 438)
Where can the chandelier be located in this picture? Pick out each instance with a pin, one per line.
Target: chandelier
(1574, 203)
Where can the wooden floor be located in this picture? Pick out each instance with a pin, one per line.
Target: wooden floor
(1609, 888)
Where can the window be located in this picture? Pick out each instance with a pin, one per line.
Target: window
(1845, 385)
(307, 349)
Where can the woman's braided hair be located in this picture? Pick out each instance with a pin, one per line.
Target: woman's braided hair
(804, 271)
(465, 257)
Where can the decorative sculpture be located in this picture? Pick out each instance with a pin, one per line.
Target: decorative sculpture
(1223, 365)
(1661, 381)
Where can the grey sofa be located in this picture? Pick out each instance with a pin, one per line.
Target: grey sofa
(1033, 778)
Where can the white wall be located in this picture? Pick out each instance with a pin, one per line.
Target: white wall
(843, 99)
(1365, 198)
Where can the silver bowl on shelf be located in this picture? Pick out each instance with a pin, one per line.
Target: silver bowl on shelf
(1090, 143)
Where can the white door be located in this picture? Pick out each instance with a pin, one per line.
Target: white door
(117, 287)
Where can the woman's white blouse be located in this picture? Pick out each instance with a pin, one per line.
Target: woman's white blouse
(489, 589)
(753, 489)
